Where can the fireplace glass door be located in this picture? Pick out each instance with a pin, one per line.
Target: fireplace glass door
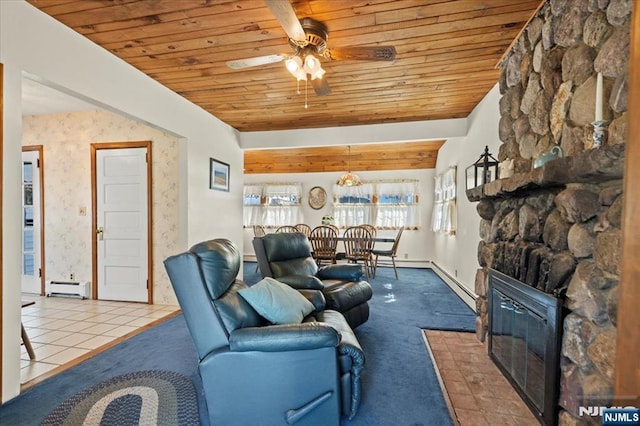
(523, 341)
(519, 345)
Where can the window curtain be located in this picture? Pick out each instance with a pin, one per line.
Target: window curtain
(397, 204)
(279, 204)
(385, 204)
(252, 210)
(445, 213)
(352, 205)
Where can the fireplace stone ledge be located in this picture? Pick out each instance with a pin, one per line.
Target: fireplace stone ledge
(593, 166)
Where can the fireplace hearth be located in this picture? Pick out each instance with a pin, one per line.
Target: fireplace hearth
(525, 328)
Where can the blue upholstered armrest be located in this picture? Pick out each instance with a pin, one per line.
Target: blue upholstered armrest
(280, 338)
(301, 282)
(341, 272)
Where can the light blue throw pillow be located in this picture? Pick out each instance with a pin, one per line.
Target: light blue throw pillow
(277, 302)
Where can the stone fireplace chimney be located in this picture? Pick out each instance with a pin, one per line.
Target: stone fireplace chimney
(558, 227)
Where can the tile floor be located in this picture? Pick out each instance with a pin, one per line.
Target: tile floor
(478, 393)
(61, 329)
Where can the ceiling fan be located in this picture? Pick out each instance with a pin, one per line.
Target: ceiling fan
(308, 38)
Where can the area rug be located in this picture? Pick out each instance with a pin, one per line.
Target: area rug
(152, 397)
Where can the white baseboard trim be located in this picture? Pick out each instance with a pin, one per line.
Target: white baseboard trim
(465, 294)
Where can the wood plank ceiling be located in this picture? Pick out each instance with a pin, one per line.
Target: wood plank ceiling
(396, 156)
(447, 52)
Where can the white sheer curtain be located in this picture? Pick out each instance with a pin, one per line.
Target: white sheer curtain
(445, 213)
(353, 205)
(397, 204)
(252, 210)
(279, 204)
(385, 204)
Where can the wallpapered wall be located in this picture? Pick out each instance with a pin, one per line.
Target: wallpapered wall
(66, 140)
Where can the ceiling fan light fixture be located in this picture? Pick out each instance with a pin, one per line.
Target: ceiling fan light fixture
(313, 67)
(311, 63)
(317, 73)
(293, 64)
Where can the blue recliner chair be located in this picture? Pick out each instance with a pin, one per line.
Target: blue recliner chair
(287, 258)
(254, 372)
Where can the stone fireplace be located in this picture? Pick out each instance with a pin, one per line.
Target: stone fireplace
(557, 228)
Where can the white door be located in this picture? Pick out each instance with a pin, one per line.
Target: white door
(31, 226)
(121, 194)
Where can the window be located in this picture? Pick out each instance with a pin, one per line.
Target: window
(397, 205)
(353, 205)
(272, 204)
(385, 204)
(445, 213)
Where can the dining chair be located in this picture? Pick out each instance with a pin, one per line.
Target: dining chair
(357, 245)
(392, 253)
(286, 228)
(304, 228)
(258, 231)
(324, 242)
(371, 229)
(374, 232)
(335, 228)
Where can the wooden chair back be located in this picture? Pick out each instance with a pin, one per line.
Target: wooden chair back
(358, 243)
(304, 228)
(286, 228)
(324, 242)
(258, 231)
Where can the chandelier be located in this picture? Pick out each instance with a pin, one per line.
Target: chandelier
(349, 179)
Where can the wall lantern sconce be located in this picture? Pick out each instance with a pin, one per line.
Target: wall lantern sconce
(483, 171)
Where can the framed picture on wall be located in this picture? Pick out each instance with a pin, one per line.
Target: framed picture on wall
(218, 175)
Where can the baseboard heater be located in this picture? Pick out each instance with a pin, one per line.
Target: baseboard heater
(80, 289)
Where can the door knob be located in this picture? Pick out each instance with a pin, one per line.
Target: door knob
(100, 232)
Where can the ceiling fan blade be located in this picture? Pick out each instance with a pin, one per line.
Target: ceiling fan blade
(254, 62)
(362, 53)
(286, 16)
(321, 86)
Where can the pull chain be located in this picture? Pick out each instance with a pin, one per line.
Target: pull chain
(306, 84)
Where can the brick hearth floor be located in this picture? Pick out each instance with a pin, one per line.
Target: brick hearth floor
(477, 393)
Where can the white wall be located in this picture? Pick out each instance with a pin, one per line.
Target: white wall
(34, 43)
(457, 254)
(66, 139)
(417, 244)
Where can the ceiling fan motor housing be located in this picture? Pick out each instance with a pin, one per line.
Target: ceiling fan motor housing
(316, 32)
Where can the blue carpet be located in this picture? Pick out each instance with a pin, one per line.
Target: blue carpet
(399, 383)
